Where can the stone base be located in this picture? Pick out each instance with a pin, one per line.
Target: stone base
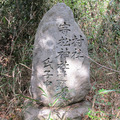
(73, 112)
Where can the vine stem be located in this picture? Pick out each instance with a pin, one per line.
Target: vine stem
(101, 65)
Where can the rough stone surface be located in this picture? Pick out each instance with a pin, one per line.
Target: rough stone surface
(73, 112)
(2, 118)
(59, 66)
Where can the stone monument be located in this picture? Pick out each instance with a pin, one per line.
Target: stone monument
(60, 68)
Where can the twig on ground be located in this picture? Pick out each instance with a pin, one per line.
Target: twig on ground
(25, 66)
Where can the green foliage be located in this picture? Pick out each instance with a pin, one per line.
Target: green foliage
(93, 115)
(100, 99)
(104, 91)
(28, 98)
(43, 92)
(55, 101)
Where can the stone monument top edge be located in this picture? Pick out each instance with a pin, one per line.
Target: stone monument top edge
(60, 8)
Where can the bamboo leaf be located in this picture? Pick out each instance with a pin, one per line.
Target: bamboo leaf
(104, 91)
(55, 101)
(43, 91)
(44, 95)
(28, 98)
(49, 116)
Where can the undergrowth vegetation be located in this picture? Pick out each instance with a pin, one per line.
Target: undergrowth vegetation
(98, 19)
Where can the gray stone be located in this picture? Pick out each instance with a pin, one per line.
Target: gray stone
(2, 118)
(60, 69)
(73, 112)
